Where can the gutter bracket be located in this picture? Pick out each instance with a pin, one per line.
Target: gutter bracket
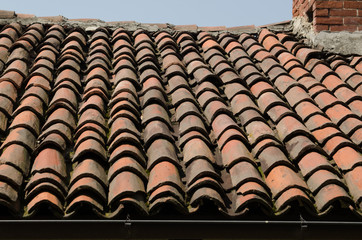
(303, 226)
(127, 226)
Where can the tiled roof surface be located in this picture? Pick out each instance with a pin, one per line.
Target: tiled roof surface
(176, 124)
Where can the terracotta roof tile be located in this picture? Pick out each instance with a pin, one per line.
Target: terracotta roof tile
(107, 122)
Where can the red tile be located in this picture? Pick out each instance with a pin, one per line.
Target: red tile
(155, 112)
(207, 183)
(324, 134)
(50, 182)
(164, 173)
(59, 128)
(353, 179)
(156, 130)
(177, 82)
(68, 75)
(158, 196)
(186, 27)
(299, 146)
(271, 157)
(124, 105)
(290, 127)
(243, 172)
(91, 116)
(89, 168)
(213, 29)
(20, 136)
(307, 109)
(289, 194)
(305, 54)
(321, 178)
(244, 202)
(198, 169)
(206, 87)
(45, 198)
(125, 150)
(50, 160)
(122, 125)
(92, 187)
(61, 115)
(338, 113)
(207, 193)
(93, 102)
(253, 188)
(233, 152)
(127, 86)
(161, 150)
(28, 120)
(126, 164)
(222, 123)
(241, 103)
(192, 123)
(182, 95)
(16, 155)
(232, 134)
(13, 77)
(11, 175)
(258, 130)
(65, 95)
(346, 158)
(197, 149)
(7, 14)
(53, 140)
(82, 200)
(90, 147)
(125, 113)
(330, 194)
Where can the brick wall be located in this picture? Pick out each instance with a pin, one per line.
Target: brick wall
(332, 15)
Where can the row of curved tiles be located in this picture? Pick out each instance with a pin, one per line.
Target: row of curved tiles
(176, 125)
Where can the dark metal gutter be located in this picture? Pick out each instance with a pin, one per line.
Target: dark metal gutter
(126, 221)
(179, 229)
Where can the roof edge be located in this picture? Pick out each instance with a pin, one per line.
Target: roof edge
(90, 24)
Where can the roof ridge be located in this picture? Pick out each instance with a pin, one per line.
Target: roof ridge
(93, 23)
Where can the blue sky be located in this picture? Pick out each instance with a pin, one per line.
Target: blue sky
(200, 12)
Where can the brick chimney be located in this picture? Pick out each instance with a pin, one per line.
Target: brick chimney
(332, 15)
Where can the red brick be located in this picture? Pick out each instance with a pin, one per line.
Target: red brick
(338, 28)
(329, 4)
(343, 12)
(328, 20)
(353, 4)
(352, 20)
(304, 6)
(321, 13)
(319, 28)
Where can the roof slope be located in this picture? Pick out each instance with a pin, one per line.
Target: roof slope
(115, 122)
